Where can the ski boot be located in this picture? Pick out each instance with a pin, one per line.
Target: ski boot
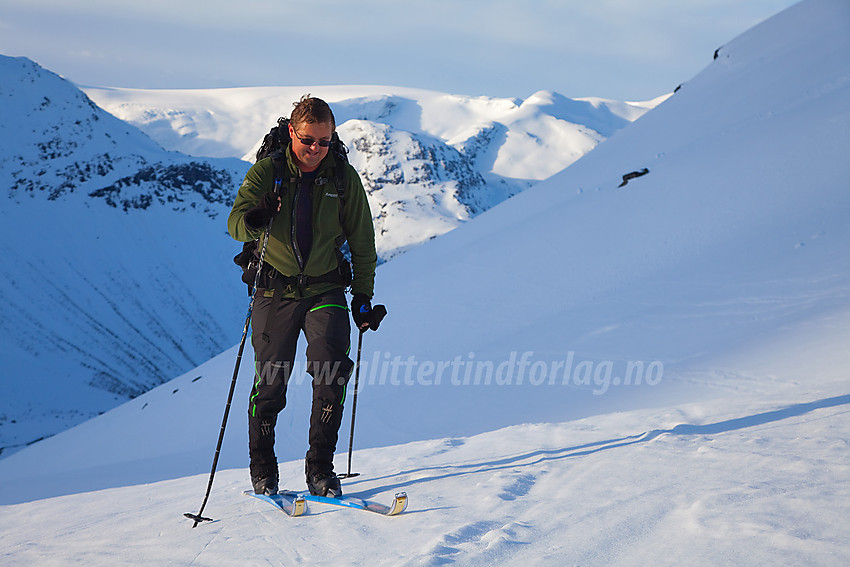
(324, 484)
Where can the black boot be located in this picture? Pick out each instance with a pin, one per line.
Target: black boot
(324, 483)
(265, 484)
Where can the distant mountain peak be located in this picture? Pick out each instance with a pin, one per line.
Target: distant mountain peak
(56, 142)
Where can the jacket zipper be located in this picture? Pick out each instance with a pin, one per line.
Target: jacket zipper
(293, 236)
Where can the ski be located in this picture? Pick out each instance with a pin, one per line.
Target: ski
(291, 503)
(397, 506)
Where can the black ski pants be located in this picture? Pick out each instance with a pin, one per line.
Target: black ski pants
(325, 322)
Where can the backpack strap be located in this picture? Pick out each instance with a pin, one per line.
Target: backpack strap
(339, 177)
(339, 184)
(279, 165)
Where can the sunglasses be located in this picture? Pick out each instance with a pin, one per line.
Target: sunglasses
(311, 141)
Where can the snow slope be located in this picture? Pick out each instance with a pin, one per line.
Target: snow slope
(97, 284)
(726, 265)
(88, 316)
(757, 483)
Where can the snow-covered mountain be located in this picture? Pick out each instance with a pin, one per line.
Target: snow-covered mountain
(585, 374)
(124, 277)
(419, 187)
(105, 292)
(429, 161)
(527, 138)
(54, 142)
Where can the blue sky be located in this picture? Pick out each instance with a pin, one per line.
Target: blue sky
(620, 49)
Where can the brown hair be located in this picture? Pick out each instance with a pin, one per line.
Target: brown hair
(311, 110)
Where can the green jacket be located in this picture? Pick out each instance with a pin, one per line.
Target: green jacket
(357, 220)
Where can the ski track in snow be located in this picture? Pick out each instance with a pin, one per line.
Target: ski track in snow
(661, 496)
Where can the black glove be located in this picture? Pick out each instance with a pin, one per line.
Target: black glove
(259, 216)
(365, 317)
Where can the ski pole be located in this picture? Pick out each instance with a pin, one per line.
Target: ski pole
(350, 474)
(198, 518)
(379, 313)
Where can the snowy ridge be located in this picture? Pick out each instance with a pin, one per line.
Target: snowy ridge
(231, 122)
(54, 140)
(726, 263)
(429, 161)
(419, 187)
